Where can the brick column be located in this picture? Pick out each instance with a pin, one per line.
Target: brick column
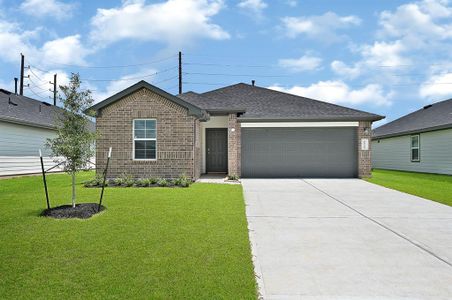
(364, 156)
(234, 145)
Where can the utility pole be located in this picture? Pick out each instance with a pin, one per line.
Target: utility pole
(180, 72)
(21, 87)
(54, 89)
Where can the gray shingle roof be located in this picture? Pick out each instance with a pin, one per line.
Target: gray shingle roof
(266, 104)
(431, 117)
(24, 110)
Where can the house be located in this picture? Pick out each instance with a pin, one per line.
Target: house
(25, 125)
(420, 141)
(241, 130)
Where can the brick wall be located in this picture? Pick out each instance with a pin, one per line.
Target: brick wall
(234, 145)
(175, 137)
(364, 156)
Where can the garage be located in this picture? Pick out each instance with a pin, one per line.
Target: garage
(314, 152)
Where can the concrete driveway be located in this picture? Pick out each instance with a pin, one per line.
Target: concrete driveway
(347, 239)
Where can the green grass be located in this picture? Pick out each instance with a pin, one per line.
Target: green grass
(158, 243)
(430, 186)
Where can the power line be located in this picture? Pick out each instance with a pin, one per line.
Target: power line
(129, 78)
(114, 66)
(237, 75)
(230, 65)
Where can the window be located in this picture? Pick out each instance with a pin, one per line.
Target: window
(415, 149)
(144, 139)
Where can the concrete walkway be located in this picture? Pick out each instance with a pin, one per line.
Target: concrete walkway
(347, 239)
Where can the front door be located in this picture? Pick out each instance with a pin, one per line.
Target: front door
(216, 150)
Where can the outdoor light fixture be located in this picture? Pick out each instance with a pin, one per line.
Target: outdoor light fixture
(366, 130)
(232, 129)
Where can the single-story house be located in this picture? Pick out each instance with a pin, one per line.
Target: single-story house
(420, 141)
(25, 125)
(241, 130)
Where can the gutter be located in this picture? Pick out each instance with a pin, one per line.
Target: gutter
(22, 122)
(422, 130)
(316, 119)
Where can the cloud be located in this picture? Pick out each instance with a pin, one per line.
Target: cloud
(174, 22)
(336, 91)
(65, 50)
(14, 40)
(124, 82)
(304, 63)
(437, 86)
(323, 27)
(292, 3)
(418, 24)
(344, 70)
(254, 7)
(47, 8)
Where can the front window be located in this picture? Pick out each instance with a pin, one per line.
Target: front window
(415, 149)
(144, 139)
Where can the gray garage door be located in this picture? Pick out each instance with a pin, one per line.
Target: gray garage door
(299, 152)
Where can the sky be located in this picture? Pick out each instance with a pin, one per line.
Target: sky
(388, 57)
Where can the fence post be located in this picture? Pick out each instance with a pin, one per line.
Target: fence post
(44, 179)
(105, 179)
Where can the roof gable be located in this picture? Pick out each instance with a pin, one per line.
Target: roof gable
(430, 117)
(192, 109)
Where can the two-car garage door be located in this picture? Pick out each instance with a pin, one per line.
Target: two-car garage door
(322, 152)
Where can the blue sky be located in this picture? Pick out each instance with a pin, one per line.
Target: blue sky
(388, 57)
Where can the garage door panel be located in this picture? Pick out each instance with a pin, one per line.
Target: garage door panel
(299, 152)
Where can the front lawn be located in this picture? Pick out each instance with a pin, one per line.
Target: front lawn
(430, 186)
(164, 243)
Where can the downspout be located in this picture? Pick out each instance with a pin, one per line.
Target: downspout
(194, 148)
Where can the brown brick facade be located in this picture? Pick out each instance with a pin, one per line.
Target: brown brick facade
(176, 145)
(234, 145)
(364, 156)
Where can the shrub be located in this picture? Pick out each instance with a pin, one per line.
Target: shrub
(143, 182)
(96, 181)
(233, 177)
(153, 180)
(183, 181)
(162, 182)
(124, 180)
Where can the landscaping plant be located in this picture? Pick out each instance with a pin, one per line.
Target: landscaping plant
(73, 144)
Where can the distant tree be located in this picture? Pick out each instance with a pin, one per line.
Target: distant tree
(74, 141)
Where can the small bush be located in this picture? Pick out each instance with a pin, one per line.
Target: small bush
(95, 182)
(233, 177)
(153, 180)
(162, 182)
(124, 180)
(143, 182)
(183, 181)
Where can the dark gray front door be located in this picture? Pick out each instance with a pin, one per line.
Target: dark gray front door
(300, 152)
(216, 150)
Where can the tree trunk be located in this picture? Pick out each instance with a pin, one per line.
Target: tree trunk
(73, 189)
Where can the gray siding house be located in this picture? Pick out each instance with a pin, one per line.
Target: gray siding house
(418, 142)
(25, 125)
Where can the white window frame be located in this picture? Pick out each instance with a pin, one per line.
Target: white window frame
(414, 148)
(144, 139)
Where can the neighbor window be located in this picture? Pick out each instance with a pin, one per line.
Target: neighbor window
(415, 149)
(144, 139)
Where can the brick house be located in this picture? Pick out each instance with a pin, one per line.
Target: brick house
(240, 129)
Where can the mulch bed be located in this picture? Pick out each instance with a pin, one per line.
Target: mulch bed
(80, 211)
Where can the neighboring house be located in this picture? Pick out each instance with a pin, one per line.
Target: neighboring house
(25, 125)
(419, 142)
(240, 129)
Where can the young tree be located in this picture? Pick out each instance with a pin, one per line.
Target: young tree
(74, 141)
